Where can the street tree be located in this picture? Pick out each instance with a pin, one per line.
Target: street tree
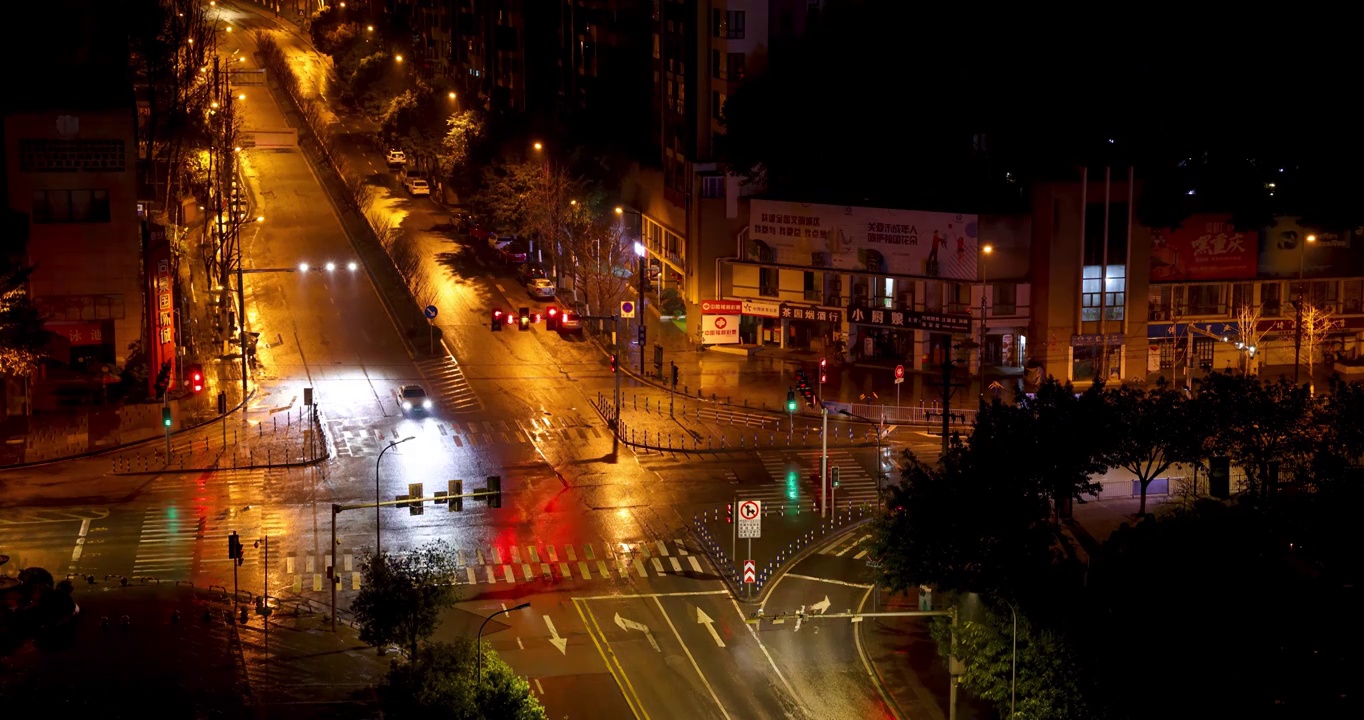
(1317, 323)
(402, 595)
(602, 260)
(1151, 432)
(463, 130)
(1341, 442)
(413, 121)
(1050, 681)
(22, 337)
(1259, 425)
(1248, 332)
(442, 680)
(1068, 437)
(505, 197)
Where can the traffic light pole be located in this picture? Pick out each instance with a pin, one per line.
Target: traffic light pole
(615, 319)
(824, 463)
(165, 403)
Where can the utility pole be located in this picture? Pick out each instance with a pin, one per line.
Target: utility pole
(643, 330)
(948, 389)
(824, 463)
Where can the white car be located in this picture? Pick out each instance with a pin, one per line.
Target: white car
(541, 288)
(418, 186)
(413, 399)
(396, 158)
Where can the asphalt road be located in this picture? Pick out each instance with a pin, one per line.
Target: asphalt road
(591, 533)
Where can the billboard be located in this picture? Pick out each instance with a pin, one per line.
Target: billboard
(1206, 247)
(720, 329)
(1329, 255)
(894, 242)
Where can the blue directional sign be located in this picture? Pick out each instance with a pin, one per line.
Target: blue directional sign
(431, 312)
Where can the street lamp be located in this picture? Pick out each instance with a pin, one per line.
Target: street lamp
(390, 446)
(985, 251)
(1297, 326)
(479, 643)
(643, 254)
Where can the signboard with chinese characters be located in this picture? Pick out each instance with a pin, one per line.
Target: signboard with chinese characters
(720, 329)
(762, 308)
(909, 319)
(894, 242)
(79, 333)
(1275, 326)
(1111, 340)
(815, 314)
(161, 310)
(1206, 247)
(1330, 254)
(721, 307)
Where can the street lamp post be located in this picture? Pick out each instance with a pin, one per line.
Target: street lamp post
(985, 251)
(643, 254)
(377, 547)
(1297, 326)
(479, 644)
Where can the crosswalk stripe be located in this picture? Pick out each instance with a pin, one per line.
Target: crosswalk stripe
(695, 566)
(492, 578)
(553, 556)
(639, 568)
(677, 566)
(507, 573)
(525, 570)
(662, 548)
(563, 568)
(582, 568)
(658, 565)
(469, 570)
(681, 547)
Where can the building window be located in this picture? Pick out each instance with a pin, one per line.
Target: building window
(656, 54)
(735, 20)
(768, 282)
(734, 66)
(1110, 294)
(1206, 299)
(1005, 299)
(1242, 295)
(43, 156)
(717, 23)
(713, 186)
(1350, 302)
(717, 105)
(1270, 302)
(813, 291)
(715, 67)
(70, 206)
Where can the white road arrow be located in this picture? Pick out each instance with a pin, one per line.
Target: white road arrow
(820, 606)
(703, 619)
(624, 624)
(554, 639)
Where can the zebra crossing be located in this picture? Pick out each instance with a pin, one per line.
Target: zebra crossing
(245, 481)
(445, 380)
(353, 438)
(515, 564)
(168, 544)
(795, 479)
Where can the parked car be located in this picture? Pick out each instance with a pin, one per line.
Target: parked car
(417, 186)
(413, 399)
(514, 252)
(570, 322)
(541, 289)
(396, 158)
(532, 271)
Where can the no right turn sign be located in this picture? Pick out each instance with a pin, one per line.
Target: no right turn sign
(750, 519)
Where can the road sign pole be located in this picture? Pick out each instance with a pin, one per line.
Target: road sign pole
(431, 334)
(734, 538)
(750, 554)
(824, 464)
(615, 345)
(336, 577)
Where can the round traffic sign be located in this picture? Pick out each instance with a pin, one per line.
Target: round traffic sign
(899, 371)
(627, 307)
(431, 312)
(749, 509)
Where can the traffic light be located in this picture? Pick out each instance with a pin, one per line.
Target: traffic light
(613, 363)
(495, 487)
(165, 416)
(414, 491)
(456, 490)
(658, 359)
(729, 513)
(523, 319)
(234, 547)
(196, 377)
(497, 320)
(823, 365)
(552, 318)
(790, 401)
(222, 403)
(833, 475)
(674, 375)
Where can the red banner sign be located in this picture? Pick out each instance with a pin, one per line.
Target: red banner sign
(722, 307)
(1207, 247)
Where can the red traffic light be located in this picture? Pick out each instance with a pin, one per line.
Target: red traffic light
(497, 313)
(822, 363)
(613, 363)
(823, 378)
(196, 377)
(552, 311)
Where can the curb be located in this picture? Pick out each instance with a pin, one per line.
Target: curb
(135, 443)
(873, 671)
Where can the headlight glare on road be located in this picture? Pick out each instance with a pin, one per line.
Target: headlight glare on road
(426, 404)
(407, 405)
(352, 266)
(303, 267)
(331, 266)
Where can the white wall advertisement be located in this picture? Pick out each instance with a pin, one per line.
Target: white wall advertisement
(720, 329)
(894, 242)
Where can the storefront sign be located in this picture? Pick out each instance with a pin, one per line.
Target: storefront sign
(161, 310)
(817, 314)
(1207, 247)
(720, 329)
(721, 307)
(79, 333)
(1111, 340)
(1231, 331)
(879, 240)
(761, 308)
(909, 319)
(1330, 254)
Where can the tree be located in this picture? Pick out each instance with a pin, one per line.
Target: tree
(603, 262)
(1069, 437)
(441, 681)
(413, 121)
(1248, 332)
(22, 337)
(1317, 323)
(1151, 432)
(1341, 444)
(402, 595)
(1050, 680)
(463, 130)
(1259, 425)
(504, 200)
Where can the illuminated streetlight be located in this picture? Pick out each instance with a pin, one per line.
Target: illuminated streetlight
(260, 218)
(539, 147)
(399, 58)
(352, 266)
(452, 94)
(369, 28)
(242, 96)
(620, 210)
(1311, 238)
(303, 267)
(639, 249)
(988, 249)
(331, 267)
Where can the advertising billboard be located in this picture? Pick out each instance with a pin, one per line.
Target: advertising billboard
(1206, 247)
(1328, 255)
(894, 242)
(720, 329)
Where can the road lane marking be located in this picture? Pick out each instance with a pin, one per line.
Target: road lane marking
(754, 632)
(492, 579)
(639, 568)
(613, 665)
(587, 551)
(545, 571)
(473, 579)
(601, 567)
(677, 566)
(850, 547)
(860, 555)
(681, 547)
(563, 568)
(695, 566)
(534, 555)
(662, 548)
(688, 593)
(582, 568)
(539, 689)
(525, 570)
(571, 557)
(703, 619)
(507, 573)
(516, 555)
(658, 565)
(553, 555)
(497, 555)
(860, 586)
(694, 666)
